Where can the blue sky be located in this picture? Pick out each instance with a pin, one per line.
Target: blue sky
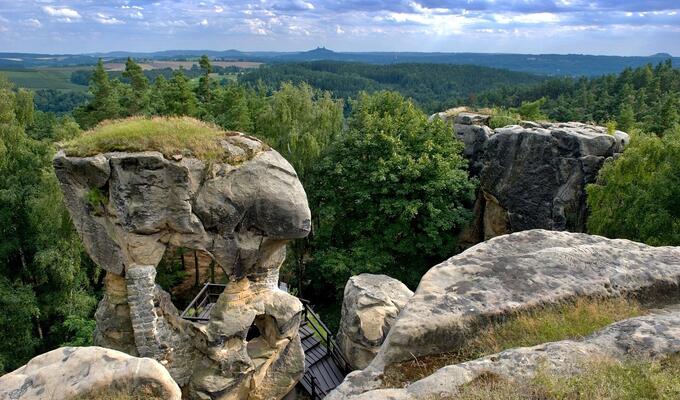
(624, 27)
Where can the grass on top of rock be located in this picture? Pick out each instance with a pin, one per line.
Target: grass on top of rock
(112, 395)
(603, 380)
(572, 320)
(167, 135)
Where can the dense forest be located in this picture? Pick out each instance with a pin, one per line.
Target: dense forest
(433, 87)
(388, 189)
(645, 98)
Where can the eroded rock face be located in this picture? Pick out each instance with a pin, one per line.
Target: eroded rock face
(471, 129)
(80, 372)
(370, 306)
(647, 338)
(508, 274)
(240, 209)
(537, 176)
(532, 175)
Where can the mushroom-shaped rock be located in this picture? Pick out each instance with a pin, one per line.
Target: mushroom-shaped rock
(135, 188)
(84, 372)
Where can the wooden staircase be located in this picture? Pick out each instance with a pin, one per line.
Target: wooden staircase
(325, 365)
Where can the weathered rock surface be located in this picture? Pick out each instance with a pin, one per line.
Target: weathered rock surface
(71, 372)
(537, 176)
(650, 337)
(532, 175)
(509, 274)
(471, 129)
(240, 210)
(370, 306)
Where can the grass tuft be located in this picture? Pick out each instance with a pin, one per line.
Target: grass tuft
(548, 324)
(112, 395)
(168, 135)
(604, 380)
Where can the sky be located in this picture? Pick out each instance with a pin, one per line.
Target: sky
(616, 27)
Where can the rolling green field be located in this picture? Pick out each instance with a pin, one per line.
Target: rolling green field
(47, 78)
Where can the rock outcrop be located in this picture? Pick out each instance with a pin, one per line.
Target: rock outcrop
(647, 338)
(510, 274)
(370, 306)
(472, 130)
(532, 175)
(82, 372)
(240, 208)
(535, 178)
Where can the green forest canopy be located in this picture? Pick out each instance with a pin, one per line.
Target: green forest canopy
(406, 172)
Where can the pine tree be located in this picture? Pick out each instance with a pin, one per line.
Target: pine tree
(105, 103)
(138, 100)
(178, 96)
(204, 82)
(626, 117)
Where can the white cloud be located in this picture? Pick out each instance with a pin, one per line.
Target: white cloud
(219, 9)
(339, 30)
(531, 18)
(304, 4)
(32, 22)
(63, 12)
(107, 20)
(204, 22)
(137, 15)
(257, 26)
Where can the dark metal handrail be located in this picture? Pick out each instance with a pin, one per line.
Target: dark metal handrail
(208, 294)
(325, 334)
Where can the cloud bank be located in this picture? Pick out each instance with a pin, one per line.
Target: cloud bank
(532, 26)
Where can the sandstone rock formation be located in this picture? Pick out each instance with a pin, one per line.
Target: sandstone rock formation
(240, 208)
(536, 177)
(650, 337)
(81, 372)
(509, 274)
(532, 175)
(471, 129)
(370, 306)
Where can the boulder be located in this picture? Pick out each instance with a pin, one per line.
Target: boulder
(535, 177)
(370, 306)
(238, 209)
(510, 274)
(81, 372)
(470, 118)
(646, 338)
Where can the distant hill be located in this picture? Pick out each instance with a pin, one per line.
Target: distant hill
(544, 64)
(433, 87)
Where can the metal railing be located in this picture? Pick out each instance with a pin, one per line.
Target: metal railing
(322, 331)
(208, 295)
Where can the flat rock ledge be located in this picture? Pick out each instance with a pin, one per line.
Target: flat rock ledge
(651, 337)
(79, 372)
(510, 274)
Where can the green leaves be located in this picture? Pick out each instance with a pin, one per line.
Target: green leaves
(637, 196)
(390, 195)
(44, 276)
